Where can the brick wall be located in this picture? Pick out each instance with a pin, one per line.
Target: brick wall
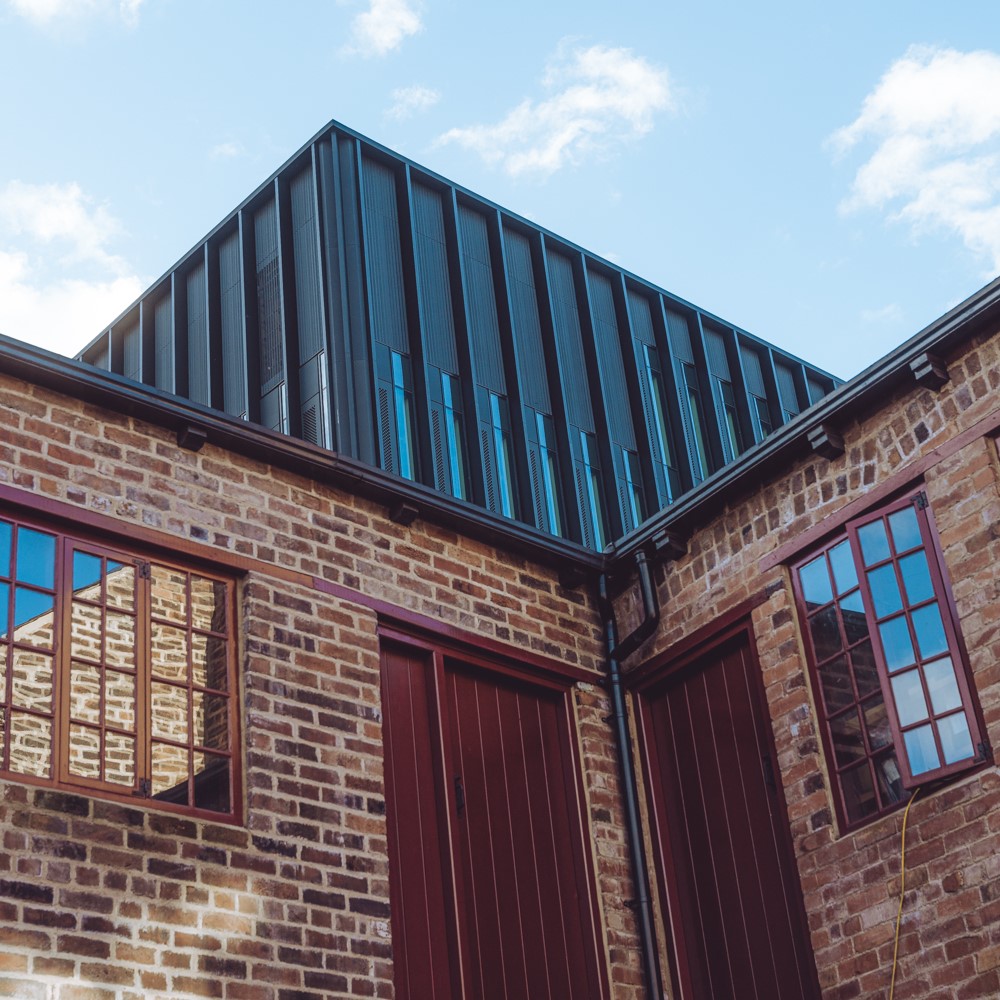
(101, 899)
(950, 940)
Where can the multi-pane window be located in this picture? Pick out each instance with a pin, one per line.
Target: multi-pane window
(895, 699)
(116, 673)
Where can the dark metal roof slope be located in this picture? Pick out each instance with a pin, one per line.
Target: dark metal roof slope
(364, 304)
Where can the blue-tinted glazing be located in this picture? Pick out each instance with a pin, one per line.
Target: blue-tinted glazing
(501, 445)
(36, 558)
(905, 529)
(86, 571)
(545, 432)
(909, 695)
(896, 643)
(929, 628)
(852, 610)
(956, 741)
(885, 591)
(874, 543)
(815, 580)
(943, 687)
(6, 530)
(4, 610)
(920, 750)
(842, 562)
(29, 604)
(916, 578)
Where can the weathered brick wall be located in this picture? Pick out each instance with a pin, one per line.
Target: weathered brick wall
(105, 900)
(950, 940)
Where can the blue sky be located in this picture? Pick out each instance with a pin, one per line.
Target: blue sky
(824, 176)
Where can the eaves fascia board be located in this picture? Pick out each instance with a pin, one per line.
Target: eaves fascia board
(843, 406)
(82, 381)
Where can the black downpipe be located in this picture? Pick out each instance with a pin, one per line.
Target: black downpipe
(616, 653)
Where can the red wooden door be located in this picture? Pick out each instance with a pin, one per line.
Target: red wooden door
(489, 880)
(726, 874)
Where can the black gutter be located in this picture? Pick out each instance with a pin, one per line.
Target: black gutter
(405, 500)
(616, 653)
(844, 406)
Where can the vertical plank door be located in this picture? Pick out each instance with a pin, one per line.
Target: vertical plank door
(727, 879)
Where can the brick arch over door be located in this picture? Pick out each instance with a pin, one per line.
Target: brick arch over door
(728, 884)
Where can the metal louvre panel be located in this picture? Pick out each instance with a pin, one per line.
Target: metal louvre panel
(715, 349)
(527, 326)
(484, 330)
(642, 318)
(680, 336)
(434, 278)
(305, 255)
(816, 389)
(609, 358)
(163, 344)
(234, 348)
(387, 435)
(753, 372)
(569, 340)
(384, 257)
(272, 367)
(132, 353)
(583, 503)
(786, 387)
(199, 359)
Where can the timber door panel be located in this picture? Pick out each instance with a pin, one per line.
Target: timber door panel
(489, 883)
(417, 835)
(726, 873)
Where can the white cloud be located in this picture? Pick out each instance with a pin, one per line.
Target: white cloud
(935, 119)
(47, 11)
(384, 26)
(225, 151)
(59, 283)
(408, 101)
(888, 314)
(600, 97)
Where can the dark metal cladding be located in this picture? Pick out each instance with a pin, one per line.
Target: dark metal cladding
(366, 305)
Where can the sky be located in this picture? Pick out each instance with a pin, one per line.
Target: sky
(824, 176)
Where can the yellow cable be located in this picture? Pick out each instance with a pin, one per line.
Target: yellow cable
(902, 889)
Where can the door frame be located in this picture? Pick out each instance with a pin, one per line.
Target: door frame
(550, 681)
(714, 640)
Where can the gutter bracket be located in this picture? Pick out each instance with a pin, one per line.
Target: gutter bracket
(669, 546)
(930, 371)
(403, 513)
(826, 441)
(191, 438)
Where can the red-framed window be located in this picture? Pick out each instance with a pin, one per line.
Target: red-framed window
(117, 672)
(896, 704)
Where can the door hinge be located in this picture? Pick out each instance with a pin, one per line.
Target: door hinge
(459, 794)
(144, 571)
(921, 501)
(145, 788)
(985, 751)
